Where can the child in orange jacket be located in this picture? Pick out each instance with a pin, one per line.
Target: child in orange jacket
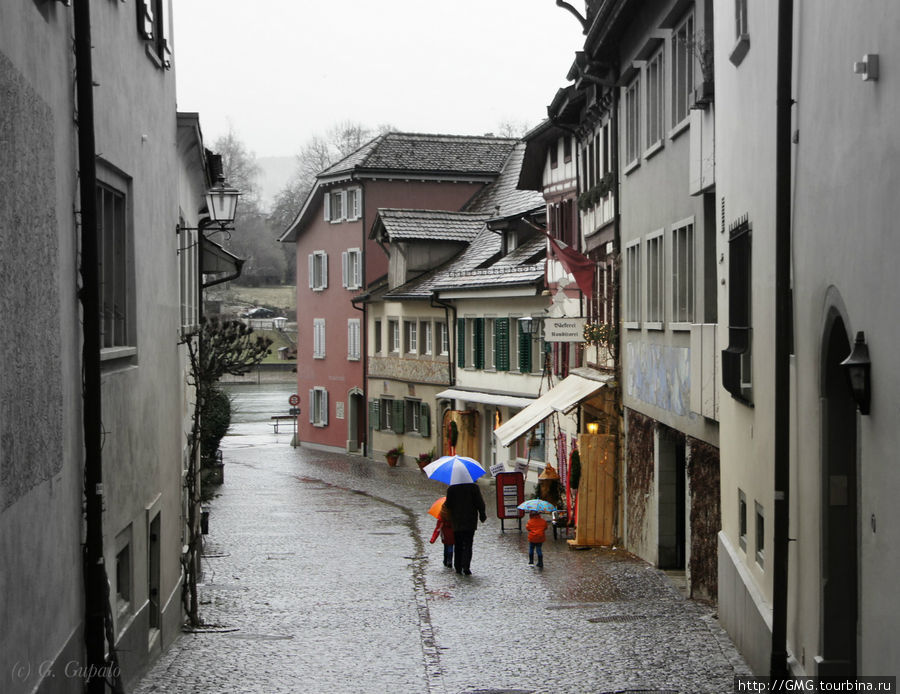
(444, 528)
(536, 527)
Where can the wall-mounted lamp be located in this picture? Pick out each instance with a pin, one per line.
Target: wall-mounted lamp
(526, 325)
(858, 369)
(867, 68)
(592, 427)
(221, 202)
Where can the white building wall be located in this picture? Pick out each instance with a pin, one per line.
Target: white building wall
(845, 251)
(745, 165)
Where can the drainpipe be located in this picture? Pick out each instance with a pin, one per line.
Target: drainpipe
(615, 283)
(364, 356)
(451, 366)
(95, 579)
(778, 662)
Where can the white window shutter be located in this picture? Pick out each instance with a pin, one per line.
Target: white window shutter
(312, 406)
(357, 271)
(312, 270)
(345, 280)
(344, 214)
(326, 203)
(324, 271)
(325, 407)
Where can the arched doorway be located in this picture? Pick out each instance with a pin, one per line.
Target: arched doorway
(839, 509)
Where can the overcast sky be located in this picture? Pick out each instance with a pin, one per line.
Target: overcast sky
(280, 71)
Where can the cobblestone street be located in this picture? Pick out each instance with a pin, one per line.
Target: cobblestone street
(318, 577)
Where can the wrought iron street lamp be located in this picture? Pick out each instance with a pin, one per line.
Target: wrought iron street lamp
(858, 368)
(221, 203)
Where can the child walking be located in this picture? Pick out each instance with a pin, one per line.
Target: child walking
(444, 528)
(536, 527)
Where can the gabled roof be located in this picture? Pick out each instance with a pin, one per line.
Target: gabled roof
(472, 268)
(503, 198)
(430, 225)
(453, 157)
(416, 152)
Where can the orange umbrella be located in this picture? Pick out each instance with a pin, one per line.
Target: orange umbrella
(436, 507)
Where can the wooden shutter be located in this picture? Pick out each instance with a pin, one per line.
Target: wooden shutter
(501, 340)
(524, 352)
(374, 415)
(326, 203)
(461, 342)
(357, 270)
(324, 271)
(312, 405)
(478, 343)
(312, 270)
(324, 407)
(398, 416)
(345, 281)
(424, 419)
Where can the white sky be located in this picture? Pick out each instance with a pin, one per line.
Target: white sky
(280, 71)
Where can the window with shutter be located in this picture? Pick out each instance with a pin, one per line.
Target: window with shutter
(461, 342)
(398, 417)
(318, 338)
(424, 419)
(374, 415)
(501, 343)
(353, 339)
(478, 342)
(524, 352)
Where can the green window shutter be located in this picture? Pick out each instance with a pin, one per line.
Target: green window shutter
(478, 335)
(461, 342)
(374, 415)
(524, 352)
(501, 340)
(398, 419)
(424, 419)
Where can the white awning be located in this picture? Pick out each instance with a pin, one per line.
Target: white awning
(561, 398)
(485, 398)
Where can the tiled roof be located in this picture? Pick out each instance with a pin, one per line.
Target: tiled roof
(431, 224)
(502, 198)
(465, 270)
(415, 152)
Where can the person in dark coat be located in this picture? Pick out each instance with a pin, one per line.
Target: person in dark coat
(466, 506)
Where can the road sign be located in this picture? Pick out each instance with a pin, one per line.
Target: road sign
(294, 400)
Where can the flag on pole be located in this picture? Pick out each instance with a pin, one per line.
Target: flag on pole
(576, 264)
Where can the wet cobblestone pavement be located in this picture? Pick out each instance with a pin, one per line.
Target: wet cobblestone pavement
(318, 577)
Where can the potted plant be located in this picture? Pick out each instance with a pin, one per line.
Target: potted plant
(393, 455)
(424, 458)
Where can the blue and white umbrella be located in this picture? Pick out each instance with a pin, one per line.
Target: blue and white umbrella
(538, 505)
(454, 469)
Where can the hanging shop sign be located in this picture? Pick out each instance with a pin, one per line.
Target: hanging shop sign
(564, 329)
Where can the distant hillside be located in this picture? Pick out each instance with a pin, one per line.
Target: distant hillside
(274, 174)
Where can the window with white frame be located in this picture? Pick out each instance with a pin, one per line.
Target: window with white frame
(318, 270)
(633, 283)
(318, 338)
(377, 337)
(351, 268)
(683, 49)
(683, 273)
(443, 339)
(656, 85)
(740, 19)
(394, 336)
(153, 27)
(353, 339)
(353, 203)
(386, 412)
(318, 406)
(633, 121)
(425, 341)
(188, 249)
(115, 267)
(655, 280)
(411, 336)
(490, 348)
(336, 201)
